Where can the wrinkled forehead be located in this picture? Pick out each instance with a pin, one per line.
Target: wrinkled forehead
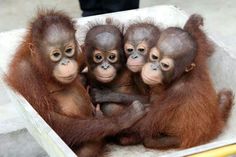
(175, 44)
(106, 41)
(138, 34)
(58, 34)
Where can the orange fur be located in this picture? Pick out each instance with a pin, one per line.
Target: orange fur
(188, 108)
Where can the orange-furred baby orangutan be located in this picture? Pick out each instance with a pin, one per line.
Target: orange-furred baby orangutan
(45, 70)
(185, 109)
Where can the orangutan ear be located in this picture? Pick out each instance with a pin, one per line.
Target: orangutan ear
(190, 67)
(31, 48)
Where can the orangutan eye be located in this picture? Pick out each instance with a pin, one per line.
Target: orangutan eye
(98, 58)
(154, 57)
(130, 50)
(141, 49)
(167, 64)
(55, 55)
(112, 57)
(69, 52)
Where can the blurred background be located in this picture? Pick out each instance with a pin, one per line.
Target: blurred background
(220, 14)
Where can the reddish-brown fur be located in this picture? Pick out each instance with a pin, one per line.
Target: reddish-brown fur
(116, 95)
(31, 76)
(187, 112)
(189, 108)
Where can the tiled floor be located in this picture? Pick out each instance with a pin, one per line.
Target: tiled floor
(20, 144)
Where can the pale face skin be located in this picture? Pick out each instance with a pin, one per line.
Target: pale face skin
(103, 48)
(139, 39)
(173, 55)
(152, 72)
(137, 54)
(106, 72)
(61, 50)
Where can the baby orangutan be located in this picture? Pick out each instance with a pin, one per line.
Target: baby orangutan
(125, 87)
(45, 70)
(185, 109)
(110, 81)
(139, 40)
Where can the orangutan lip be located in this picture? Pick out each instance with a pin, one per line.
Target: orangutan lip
(69, 77)
(105, 77)
(139, 65)
(147, 78)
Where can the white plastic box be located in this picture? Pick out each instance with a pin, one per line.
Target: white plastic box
(222, 66)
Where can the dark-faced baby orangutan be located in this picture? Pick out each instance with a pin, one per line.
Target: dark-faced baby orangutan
(139, 40)
(45, 70)
(108, 78)
(185, 109)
